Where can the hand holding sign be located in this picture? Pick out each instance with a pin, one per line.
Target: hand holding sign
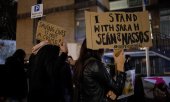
(63, 47)
(111, 95)
(36, 48)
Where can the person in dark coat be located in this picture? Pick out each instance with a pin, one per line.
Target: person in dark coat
(92, 78)
(45, 81)
(128, 63)
(17, 82)
(67, 84)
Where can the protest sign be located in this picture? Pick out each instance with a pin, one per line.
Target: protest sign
(129, 84)
(46, 31)
(117, 30)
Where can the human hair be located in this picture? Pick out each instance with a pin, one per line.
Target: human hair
(46, 58)
(85, 53)
(19, 53)
(127, 56)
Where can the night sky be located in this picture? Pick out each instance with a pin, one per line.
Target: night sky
(8, 14)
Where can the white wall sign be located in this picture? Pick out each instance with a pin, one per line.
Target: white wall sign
(37, 11)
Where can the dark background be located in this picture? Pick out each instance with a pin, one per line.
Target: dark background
(8, 16)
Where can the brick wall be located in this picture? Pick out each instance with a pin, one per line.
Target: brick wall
(24, 33)
(65, 19)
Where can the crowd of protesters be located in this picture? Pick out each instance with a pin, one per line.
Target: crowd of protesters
(53, 76)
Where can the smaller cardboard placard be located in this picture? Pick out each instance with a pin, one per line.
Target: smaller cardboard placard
(47, 31)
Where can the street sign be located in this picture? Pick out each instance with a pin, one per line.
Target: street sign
(37, 11)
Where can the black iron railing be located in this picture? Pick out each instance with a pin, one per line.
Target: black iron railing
(161, 43)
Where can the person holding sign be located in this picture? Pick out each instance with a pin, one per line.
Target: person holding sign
(127, 64)
(91, 78)
(45, 81)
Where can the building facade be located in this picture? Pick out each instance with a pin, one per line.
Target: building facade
(68, 14)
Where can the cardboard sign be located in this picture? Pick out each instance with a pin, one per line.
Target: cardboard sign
(129, 83)
(46, 31)
(117, 30)
(119, 59)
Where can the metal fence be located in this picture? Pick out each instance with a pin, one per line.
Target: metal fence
(161, 43)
